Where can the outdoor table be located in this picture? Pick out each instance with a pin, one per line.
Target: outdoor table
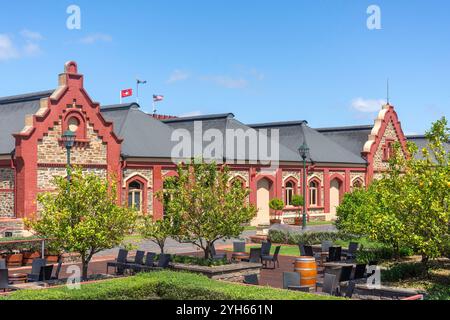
(18, 278)
(239, 256)
(337, 264)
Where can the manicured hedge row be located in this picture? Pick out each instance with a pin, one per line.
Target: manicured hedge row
(309, 238)
(163, 285)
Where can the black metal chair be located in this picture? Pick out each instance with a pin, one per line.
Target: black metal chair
(215, 255)
(46, 273)
(119, 263)
(326, 244)
(346, 273)
(291, 281)
(138, 260)
(360, 271)
(36, 269)
(334, 254)
(350, 289)
(273, 259)
(163, 261)
(4, 282)
(2, 264)
(149, 262)
(265, 248)
(352, 249)
(255, 256)
(58, 269)
(251, 279)
(239, 246)
(306, 250)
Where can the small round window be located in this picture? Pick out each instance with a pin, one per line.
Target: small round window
(73, 124)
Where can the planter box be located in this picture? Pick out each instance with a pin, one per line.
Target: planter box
(28, 257)
(234, 272)
(14, 260)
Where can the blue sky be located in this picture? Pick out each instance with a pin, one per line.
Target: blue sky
(261, 60)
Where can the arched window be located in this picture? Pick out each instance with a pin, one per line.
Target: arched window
(288, 193)
(313, 193)
(357, 184)
(238, 180)
(135, 196)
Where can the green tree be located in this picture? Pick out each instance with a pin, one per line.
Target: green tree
(298, 201)
(410, 205)
(204, 206)
(157, 231)
(83, 217)
(276, 205)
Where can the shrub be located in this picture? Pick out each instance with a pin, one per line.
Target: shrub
(382, 253)
(166, 285)
(402, 271)
(200, 261)
(308, 238)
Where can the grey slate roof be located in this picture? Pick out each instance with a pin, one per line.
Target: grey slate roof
(422, 142)
(144, 136)
(13, 111)
(322, 148)
(351, 138)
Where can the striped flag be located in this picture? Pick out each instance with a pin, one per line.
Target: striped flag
(157, 97)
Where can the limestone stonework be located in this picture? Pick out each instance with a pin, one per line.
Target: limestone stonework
(6, 204)
(147, 174)
(390, 133)
(50, 149)
(46, 175)
(240, 173)
(6, 178)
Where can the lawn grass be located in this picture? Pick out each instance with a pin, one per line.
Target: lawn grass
(286, 250)
(167, 285)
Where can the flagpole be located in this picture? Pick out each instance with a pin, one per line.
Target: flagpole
(137, 91)
(120, 97)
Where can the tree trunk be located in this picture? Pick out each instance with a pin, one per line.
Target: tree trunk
(207, 251)
(85, 266)
(161, 247)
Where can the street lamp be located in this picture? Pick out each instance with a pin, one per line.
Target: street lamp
(68, 139)
(304, 153)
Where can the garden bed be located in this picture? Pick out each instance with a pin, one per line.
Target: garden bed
(233, 272)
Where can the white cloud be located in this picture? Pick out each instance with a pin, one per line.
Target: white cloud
(31, 35)
(227, 82)
(32, 49)
(367, 105)
(191, 114)
(7, 49)
(96, 37)
(178, 75)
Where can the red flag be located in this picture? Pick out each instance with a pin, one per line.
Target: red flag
(126, 93)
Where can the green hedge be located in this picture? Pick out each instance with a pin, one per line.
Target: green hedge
(163, 285)
(308, 238)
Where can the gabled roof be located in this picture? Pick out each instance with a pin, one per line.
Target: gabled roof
(322, 149)
(144, 137)
(351, 138)
(422, 142)
(13, 111)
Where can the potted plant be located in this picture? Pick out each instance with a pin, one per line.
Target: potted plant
(12, 256)
(32, 252)
(276, 205)
(52, 252)
(298, 201)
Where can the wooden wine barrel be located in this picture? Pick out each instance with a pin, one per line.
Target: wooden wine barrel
(307, 268)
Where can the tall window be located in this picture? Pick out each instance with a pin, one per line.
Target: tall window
(135, 196)
(313, 193)
(289, 192)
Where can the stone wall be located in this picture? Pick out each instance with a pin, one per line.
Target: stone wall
(6, 178)
(50, 149)
(46, 174)
(147, 174)
(7, 204)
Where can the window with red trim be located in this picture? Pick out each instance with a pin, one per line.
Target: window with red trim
(388, 149)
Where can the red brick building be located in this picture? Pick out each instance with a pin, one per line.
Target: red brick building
(135, 146)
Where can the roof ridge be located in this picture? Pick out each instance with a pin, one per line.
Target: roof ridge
(120, 106)
(26, 97)
(344, 128)
(277, 124)
(200, 117)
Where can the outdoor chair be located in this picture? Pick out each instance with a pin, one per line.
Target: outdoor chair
(138, 260)
(265, 248)
(239, 246)
(4, 282)
(46, 273)
(2, 264)
(273, 259)
(36, 269)
(306, 251)
(255, 256)
(334, 254)
(360, 272)
(149, 262)
(329, 284)
(352, 249)
(120, 262)
(326, 244)
(163, 263)
(291, 281)
(58, 269)
(215, 255)
(350, 289)
(346, 273)
(251, 279)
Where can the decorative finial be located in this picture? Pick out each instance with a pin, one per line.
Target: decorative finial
(387, 91)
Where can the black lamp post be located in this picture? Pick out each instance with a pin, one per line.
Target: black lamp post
(304, 153)
(68, 139)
